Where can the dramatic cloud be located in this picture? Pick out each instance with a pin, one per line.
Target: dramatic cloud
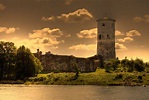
(133, 33)
(8, 30)
(88, 33)
(2, 7)
(126, 39)
(90, 47)
(118, 33)
(120, 47)
(68, 2)
(145, 18)
(79, 15)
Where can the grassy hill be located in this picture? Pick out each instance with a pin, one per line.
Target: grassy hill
(100, 77)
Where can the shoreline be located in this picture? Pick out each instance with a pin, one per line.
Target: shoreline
(99, 78)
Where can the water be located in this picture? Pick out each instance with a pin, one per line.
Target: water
(65, 92)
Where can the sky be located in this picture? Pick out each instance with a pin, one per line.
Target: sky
(69, 27)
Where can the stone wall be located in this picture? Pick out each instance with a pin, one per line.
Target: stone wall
(63, 63)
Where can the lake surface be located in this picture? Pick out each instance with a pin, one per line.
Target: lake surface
(69, 92)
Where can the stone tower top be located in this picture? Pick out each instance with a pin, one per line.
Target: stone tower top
(106, 18)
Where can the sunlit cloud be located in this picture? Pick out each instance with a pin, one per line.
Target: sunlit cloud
(68, 2)
(92, 47)
(91, 33)
(8, 30)
(44, 44)
(89, 47)
(52, 18)
(77, 16)
(120, 47)
(46, 37)
(118, 33)
(145, 18)
(138, 19)
(2, 7)
(126, 39)
(67, 35)
(133, 33)
(46, 32)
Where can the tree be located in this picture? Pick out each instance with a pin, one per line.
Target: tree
(38, 65)
(27, 65)
(75, 65)
(111, 65)
(139, 65)
(7, 59)
(108, 66)
(115, 63)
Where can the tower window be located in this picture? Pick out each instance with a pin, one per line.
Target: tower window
(99, 37)
(108, 37)
(103, 24)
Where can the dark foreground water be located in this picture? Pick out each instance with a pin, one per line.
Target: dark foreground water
(65, 92)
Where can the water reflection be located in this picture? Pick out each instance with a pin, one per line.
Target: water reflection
(61, 92)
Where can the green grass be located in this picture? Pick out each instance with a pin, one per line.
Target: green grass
(99, 77)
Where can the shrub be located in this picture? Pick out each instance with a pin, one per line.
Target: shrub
(119, 76)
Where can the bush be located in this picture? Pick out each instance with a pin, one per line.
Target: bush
(119, 76)
(139, 65)
(108, 66)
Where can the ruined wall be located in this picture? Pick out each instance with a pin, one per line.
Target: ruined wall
(61, 63)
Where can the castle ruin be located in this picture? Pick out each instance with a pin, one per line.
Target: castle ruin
(105, 51)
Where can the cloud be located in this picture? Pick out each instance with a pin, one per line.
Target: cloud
(68, 2)
(52, 18)
(46, 32)
(8, 30)
(120, 47)
(91, 33)
(90, 47)
(145, 18)
(2, 7)
(138, 19)
(67, 35)
(118, 33)
(44, 44)
(133, 33)
(46, 37)
(79, 15)
(126, 39)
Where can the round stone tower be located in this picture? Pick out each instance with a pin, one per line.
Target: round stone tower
(106, 38)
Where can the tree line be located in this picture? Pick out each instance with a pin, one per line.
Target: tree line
(17, 64)
(125, 65)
